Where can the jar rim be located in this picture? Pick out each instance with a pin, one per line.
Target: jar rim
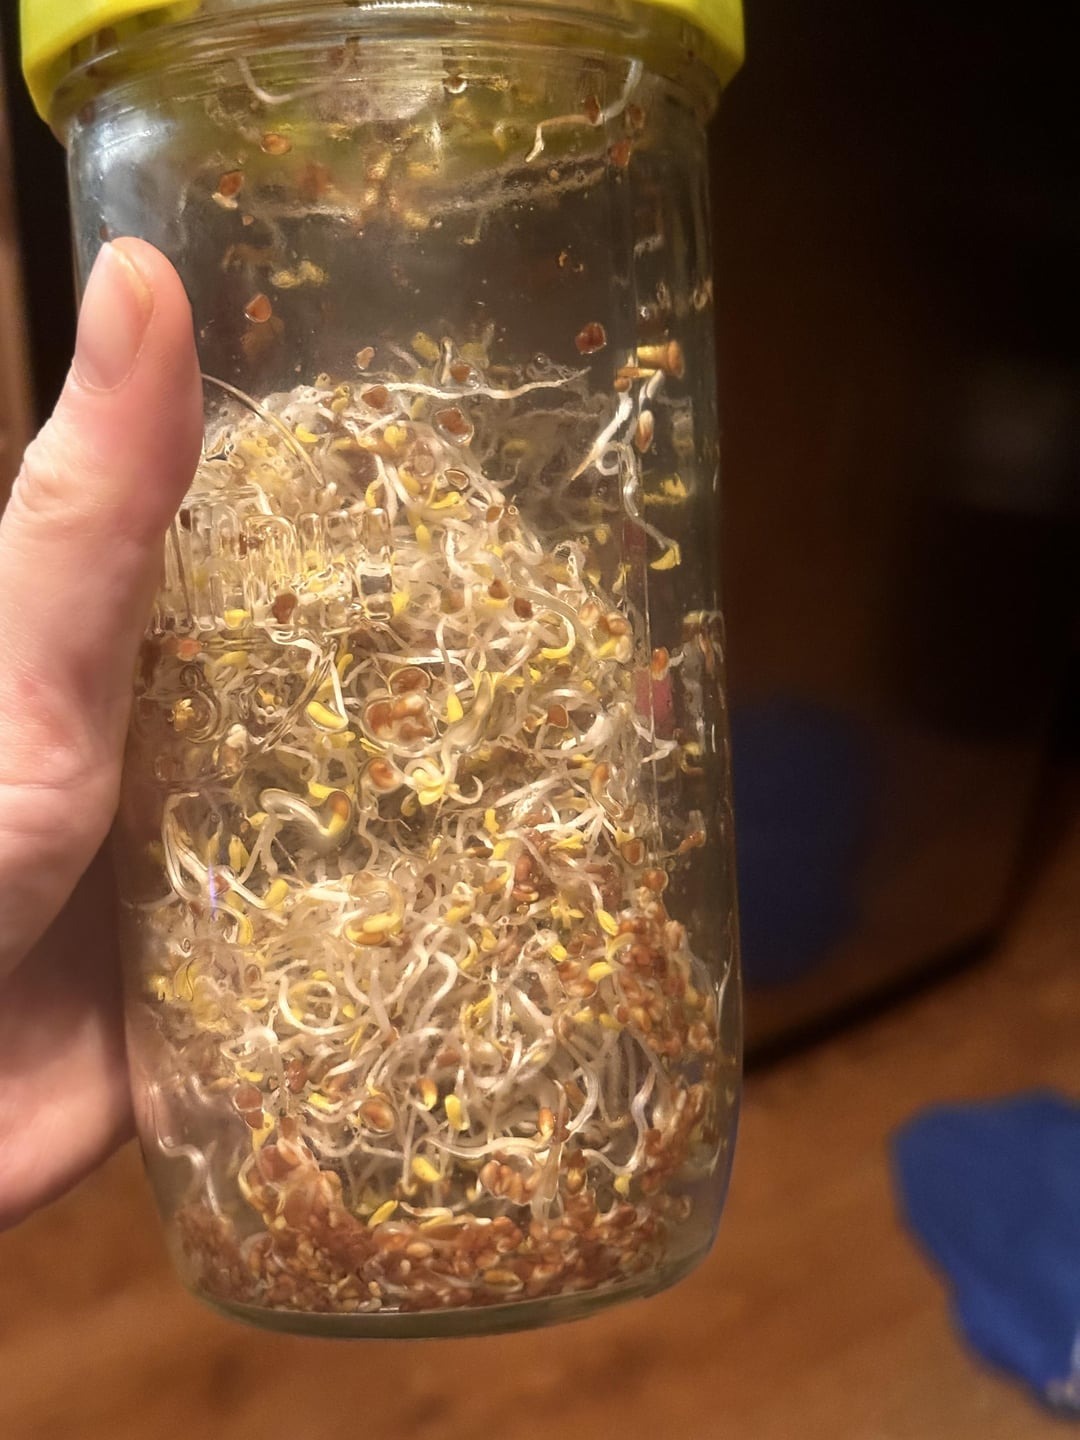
(59, 36)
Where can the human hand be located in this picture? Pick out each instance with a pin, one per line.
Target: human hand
(80, 554)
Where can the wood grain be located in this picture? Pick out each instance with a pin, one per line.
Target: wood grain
(814, 1319)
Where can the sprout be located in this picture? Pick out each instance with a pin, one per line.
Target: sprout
(410, 937)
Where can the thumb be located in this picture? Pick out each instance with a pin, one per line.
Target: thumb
(80, 556)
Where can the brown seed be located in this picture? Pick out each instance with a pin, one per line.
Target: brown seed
(461, 372)
(660, 663)
(376, 397)
(455, 423)
(493, 514)
(296, 1075)
(297, 1208)
(283, 607)
(254, 1118)
(591, 338)
(258, 309)
(247, 1098)
(379, 717)
(639, 957)
(557, 715)
(382, 776)
(410, 730)
(655, 880)
(498, 590)
(523, 608)
(545, 1122)
(591, 110)
(635, 118)
(619, 154)
(408, 704)
(364, 357)
(230, 184)
(377, 1115)
(275, 144)
(616, 624)
(523, 868)
(633, 851)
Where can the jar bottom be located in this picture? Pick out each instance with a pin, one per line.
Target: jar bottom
(459, 1323)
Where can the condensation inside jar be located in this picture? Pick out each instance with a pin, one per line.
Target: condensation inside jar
(427, 1012)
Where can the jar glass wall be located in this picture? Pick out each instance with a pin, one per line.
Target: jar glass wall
(425, 843)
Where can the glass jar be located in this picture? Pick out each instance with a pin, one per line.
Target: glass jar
(425, 843)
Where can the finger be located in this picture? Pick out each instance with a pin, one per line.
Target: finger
(80, 555)
(65, 1100)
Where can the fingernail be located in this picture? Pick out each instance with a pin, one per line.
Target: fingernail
(115, 313)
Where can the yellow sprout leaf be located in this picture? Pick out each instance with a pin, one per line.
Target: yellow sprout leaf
(235, 618)
(607, 922)
(479, 1012)
(424, 346)
(238, 853)
(324, 717)
(425, 1171)
(600, 971)
(559, 652)
(671, 557)
(382, 1214)
(455, 1113)
(559, 953)
(454, 709)
(622, 1185)
(491, 824)
(277, 894)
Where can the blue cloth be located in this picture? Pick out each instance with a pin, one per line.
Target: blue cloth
(993, 1192)
(803, 786)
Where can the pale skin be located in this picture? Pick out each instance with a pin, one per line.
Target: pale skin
(80, 554)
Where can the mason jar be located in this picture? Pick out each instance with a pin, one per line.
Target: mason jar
(425, 845)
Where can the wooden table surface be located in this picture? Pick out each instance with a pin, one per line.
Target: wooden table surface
(814, 1316)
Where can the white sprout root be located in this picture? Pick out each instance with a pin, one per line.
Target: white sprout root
(396, 888)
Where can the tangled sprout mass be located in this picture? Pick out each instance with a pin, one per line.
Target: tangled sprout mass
(434, 1039)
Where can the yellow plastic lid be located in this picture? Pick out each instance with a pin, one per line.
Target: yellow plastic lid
(51, 28)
